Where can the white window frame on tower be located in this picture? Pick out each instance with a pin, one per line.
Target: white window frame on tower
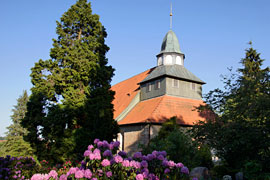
(157, 84)
(148, 87)
(175, 83)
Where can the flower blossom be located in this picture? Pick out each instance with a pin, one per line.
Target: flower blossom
(107, 153)
(118, 159)
(109, 174)
(125, 163)
(144, 164)
(105, 162)
(185, 170)
(87, 173)
(79, 174)
(139, 177)
(87, 153)
(53, 174)
(137, 155)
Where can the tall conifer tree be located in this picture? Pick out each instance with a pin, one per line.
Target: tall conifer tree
(15, 145)
(71, 101)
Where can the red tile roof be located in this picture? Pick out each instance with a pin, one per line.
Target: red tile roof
(159, 109)
(155, 110)
(126, 90)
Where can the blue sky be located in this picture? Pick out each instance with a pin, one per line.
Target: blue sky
(212, 34)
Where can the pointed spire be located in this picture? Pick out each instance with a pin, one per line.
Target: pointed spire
(171, 17)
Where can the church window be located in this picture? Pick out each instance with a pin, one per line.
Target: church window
(148, 87)
(168, 60)
(193, 86)
(175, 83)
(157, 84)
(160, 61)
(178, 60)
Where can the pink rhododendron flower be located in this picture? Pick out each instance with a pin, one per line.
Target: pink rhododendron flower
(90, 147)
(63, 177)
(139, 177)
(135, 164)
(179, 165)
(96, 141)
(99, 144)
(40, 177)
(92, 156)
(79, 174)
(71, 171)
(109, 174)
(87, 173)
(125, 163)
(53, 174)
(111, 146)
(100, 172)
(171, 164)
(118, 159)
(87, 153)
(105, 162)
(97, 156)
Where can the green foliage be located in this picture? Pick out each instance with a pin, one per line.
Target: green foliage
(240, 132)
(15, 145)
(2, 138)
(254, 170)
(179, 146)
(71, 101)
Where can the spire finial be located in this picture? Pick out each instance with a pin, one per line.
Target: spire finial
(171, 17)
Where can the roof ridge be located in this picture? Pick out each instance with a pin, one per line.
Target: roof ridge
(158, 104)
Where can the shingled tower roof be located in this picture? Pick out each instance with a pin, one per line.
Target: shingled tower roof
(170, 43)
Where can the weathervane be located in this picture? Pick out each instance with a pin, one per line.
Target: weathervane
(171, 17)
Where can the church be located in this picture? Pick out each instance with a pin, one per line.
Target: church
(145, 101)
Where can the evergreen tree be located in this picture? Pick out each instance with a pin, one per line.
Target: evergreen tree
(15, 145)
(240, 133)
(71, 101)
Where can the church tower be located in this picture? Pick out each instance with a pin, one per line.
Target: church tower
(170, 77)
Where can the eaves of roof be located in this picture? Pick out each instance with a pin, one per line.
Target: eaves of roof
(159, 109)
(176, 71)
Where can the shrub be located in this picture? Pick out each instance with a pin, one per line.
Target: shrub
(101, 161)
(179, 145)
(17, 167)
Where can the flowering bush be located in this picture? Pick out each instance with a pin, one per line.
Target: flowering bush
(17, 167)
(103, 162)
